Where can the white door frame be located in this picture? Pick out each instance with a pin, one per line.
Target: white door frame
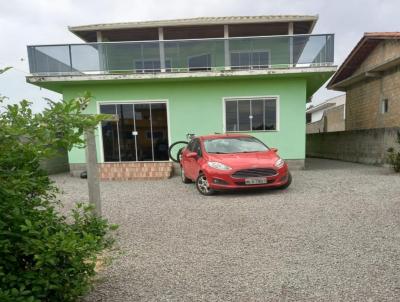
(131, 102)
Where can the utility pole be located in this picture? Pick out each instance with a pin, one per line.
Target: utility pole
(92, 172)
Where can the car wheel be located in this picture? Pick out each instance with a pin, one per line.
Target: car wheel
(184, 179)
(203, 186)
(287, 184)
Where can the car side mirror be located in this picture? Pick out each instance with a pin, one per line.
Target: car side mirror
(274, 150)
(191, 155)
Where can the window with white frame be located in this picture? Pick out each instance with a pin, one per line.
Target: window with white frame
(252, 114)
(250, 60)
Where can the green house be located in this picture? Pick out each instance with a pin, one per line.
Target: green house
(165, 79)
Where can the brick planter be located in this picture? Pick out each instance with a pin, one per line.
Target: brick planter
(135, 170)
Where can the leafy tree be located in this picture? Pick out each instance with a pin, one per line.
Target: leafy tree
(44, 256)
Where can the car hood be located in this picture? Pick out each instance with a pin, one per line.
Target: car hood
(246, 160)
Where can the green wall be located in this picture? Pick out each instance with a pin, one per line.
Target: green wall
(197, 107)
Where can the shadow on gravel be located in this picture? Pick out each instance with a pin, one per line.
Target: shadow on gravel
(315, 164)
(252, 192)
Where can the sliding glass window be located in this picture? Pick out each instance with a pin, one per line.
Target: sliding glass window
(253, 114)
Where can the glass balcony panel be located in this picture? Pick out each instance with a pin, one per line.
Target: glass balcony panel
(54, 58)
(183, 55)
(86, 58)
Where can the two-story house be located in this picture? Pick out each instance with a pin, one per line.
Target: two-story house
(164, 79)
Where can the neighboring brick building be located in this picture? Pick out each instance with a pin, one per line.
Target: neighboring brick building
(328, 116)
(370, 76)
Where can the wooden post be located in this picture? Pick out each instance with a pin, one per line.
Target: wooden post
(92, 171)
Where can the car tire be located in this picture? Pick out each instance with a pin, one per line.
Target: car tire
(202, 185)
(287, 184)
(184, 179)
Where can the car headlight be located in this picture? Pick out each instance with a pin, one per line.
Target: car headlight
(218, 166)
(279, 163)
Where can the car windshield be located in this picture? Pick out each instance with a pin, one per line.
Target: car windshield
(234, 145)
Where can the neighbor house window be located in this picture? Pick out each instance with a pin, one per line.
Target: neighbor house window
(199, 63)
(258, 114)
(385, 106)
(250, 60)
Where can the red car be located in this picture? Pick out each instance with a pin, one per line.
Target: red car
(232, 161)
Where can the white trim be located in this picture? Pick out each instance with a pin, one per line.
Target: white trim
(162, 50)
(226, 48)
(127, 102)
(37, 79)
(232, 98)
(100, 132)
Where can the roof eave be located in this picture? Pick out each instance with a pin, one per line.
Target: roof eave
(372, 72)
(332, 84)
(192, 22)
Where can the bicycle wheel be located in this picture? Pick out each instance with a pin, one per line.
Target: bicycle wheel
(175, 150)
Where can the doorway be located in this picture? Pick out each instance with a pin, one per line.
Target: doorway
(140, 133)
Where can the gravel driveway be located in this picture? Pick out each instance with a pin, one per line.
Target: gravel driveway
(334, 235)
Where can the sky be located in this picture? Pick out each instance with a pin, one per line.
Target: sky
(31, 22)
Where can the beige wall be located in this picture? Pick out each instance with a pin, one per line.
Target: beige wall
(332, 120)
(364, 99)
(316, 127)
(364, 102)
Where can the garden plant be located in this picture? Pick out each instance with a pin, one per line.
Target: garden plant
(44, 255)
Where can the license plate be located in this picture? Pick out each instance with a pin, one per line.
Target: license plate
(255, 181)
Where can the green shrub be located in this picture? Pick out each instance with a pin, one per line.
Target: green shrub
(394, 156)
(44, 256)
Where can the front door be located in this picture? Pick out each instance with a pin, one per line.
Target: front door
(139, 134)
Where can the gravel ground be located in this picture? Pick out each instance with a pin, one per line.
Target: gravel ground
(334, 235)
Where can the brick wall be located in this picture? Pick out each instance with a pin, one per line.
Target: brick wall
(135, 170)
(367, 146)
(364, 99)
(335, 118)
(316, 127)
(128, 170)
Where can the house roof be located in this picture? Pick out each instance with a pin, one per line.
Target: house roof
(359, 53)
(335, 101)
(195, 21)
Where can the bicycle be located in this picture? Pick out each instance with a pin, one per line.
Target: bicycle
(178, 147)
